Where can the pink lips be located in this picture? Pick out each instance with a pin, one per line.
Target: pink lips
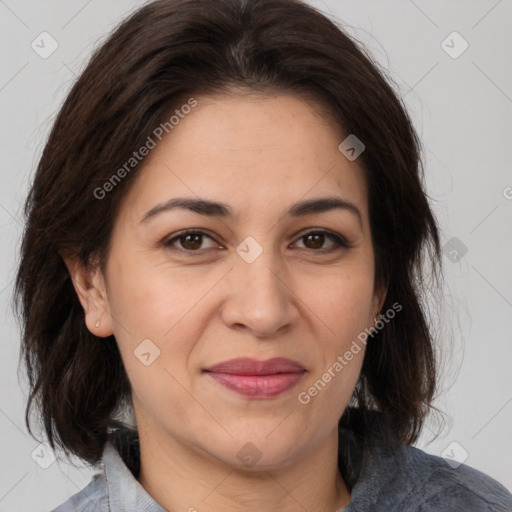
(257, 379)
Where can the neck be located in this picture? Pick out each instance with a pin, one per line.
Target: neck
(179, 477)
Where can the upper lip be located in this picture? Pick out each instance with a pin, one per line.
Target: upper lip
(248, 366)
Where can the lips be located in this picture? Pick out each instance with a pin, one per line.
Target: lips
(257, 379)
(248, 366)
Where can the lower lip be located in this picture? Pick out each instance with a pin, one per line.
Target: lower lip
(258, 386)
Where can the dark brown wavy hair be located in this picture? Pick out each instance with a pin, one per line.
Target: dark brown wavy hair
(164, 51)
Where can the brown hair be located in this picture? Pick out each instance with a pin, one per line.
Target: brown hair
(171, 48)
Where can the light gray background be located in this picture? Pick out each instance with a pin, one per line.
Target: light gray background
(462, 109)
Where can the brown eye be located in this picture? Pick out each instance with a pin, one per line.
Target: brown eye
(315, 240)
(189, 241)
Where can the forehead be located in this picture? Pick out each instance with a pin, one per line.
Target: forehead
(252, 151)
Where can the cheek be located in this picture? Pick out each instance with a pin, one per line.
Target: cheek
(157, 320)
(150, 299)
(341, 305)
(341, 301)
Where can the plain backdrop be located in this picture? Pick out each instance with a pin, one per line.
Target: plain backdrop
(461, 104)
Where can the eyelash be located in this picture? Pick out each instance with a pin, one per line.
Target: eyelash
(339, 241)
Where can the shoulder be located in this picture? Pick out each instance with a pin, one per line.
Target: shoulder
(408, 479)
(437, 486)
(392, 476)
(93, 498)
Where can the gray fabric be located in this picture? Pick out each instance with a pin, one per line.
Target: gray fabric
(403, 479)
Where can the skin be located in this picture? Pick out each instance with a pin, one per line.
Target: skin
(259, 154)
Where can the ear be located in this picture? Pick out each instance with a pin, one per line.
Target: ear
(89, 284)
(379, 297)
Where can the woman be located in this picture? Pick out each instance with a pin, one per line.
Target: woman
(226, 237)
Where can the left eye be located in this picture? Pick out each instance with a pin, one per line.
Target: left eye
(191, 241)
(316, 240)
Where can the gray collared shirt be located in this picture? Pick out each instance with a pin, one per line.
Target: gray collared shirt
(404, 479)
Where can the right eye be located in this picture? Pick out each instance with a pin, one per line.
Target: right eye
(189, 240)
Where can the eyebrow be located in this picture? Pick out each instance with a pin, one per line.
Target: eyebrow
(222, 210)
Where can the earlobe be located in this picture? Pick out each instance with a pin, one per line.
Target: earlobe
(379, 299)
(89, 285)
(383, 292)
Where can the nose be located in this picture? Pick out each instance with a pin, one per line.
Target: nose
(260, 297)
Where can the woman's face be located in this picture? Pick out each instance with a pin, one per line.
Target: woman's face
(252, 284)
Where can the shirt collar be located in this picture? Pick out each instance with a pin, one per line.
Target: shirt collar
(125, 492)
